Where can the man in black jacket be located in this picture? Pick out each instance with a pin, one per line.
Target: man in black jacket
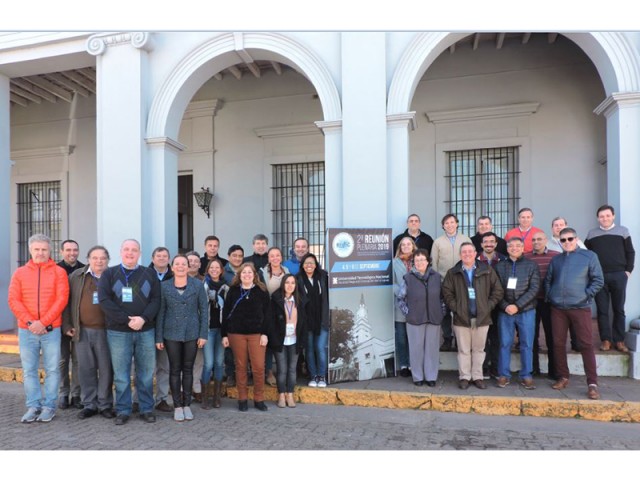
(520, 279)
(421, 239)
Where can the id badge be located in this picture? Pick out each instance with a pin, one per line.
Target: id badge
(511, 283)
(95, 298)
(472, 293)
(127, 294)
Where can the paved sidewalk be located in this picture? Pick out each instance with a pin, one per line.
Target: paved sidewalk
(620, 396)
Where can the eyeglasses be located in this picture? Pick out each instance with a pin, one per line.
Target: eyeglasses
(567, 239)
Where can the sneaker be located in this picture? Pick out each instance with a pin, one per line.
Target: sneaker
(321, 382)
(502, 382)
(528, 384)
(313, 382)
(46, 415)
(592, 392)
(188, 414)
(178, 414)
(31, 415)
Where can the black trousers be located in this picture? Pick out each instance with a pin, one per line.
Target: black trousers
(182, 356)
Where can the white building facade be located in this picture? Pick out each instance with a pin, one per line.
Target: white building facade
(107, 136)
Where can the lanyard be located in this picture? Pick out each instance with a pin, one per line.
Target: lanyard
(289, 306)
(524, 237)
(243, 293)
(513, 269)
(124, 272)
(468, 274)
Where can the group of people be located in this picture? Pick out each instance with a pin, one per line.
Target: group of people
(487, 291)
(189, 320)
(112, 323)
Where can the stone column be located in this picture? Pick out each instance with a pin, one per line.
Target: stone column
(622, 111)
(125, 202)
(333, 202)
(7, 321)
(364, 143)
(398, 168)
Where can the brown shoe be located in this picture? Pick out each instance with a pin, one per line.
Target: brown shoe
(217, 393)
(463, 384)
(271, 379)
(593, 393)
(560, 384)
(502, 382)
(281, 401)
(527, 383)
(163, 406)
(621, 347)
(605, 346)
(480, 384)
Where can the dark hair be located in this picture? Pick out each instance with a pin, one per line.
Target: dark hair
(98, 247)
(567, 230)
(423, 253)
(484, 217)
(414, 215)
(605, 207)
(301, 238)
(525, 209)
(304, 259)
(211, 237)
(515, 239)
(158, 250)
(68, 240)
(233, 248)
(268, 252)
(256, 277)
(192, 252)
(447, 217)
(296, 295)
(219, 262)
(260, 236)
(179, 255)
(488, 234)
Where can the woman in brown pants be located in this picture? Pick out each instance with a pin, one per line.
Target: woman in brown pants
(245, 322)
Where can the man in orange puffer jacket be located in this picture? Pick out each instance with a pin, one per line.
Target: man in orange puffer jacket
(38, 293)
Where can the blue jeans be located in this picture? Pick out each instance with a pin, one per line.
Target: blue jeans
(30, 345)
(142, 348)
(526, 322)
(213, 357)
(402, 345)
(317, 353)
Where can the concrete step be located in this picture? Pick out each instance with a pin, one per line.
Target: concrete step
(9, 342)
(609, 364)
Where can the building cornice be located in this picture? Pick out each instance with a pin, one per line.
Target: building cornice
(165, 142)
(59, 151)
(483, 113)
(617, 100)
(287, 131)
(329, 126)
(202, 108)
(402, 120)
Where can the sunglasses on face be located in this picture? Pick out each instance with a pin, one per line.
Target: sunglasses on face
(567, 239)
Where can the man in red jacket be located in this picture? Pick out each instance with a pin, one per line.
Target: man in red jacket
(38, 293)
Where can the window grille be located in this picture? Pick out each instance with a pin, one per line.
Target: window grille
(39, 211)
(483, 182)
(298, 206)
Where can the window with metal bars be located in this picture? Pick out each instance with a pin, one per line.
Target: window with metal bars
(484, 182)
(298, 206)
(39, 211)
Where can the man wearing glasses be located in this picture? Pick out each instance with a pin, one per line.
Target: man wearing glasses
(572, 281)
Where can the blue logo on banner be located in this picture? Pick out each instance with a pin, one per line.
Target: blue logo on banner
(361, 266)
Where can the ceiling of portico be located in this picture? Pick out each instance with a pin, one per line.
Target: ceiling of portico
(61, 86)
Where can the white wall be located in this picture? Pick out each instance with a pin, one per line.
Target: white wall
(563, 175)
